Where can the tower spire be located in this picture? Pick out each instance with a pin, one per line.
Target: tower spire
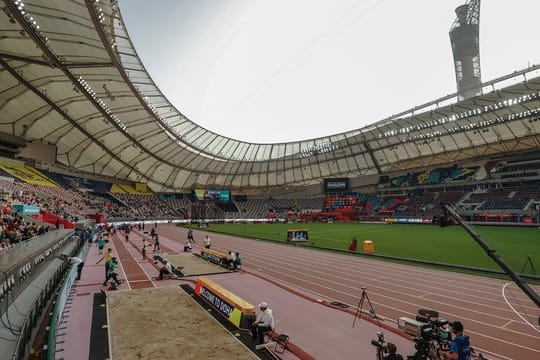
(464, 37)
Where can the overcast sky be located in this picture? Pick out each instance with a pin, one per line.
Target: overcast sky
(283, 70)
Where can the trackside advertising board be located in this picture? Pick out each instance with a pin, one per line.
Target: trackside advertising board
(239, 312)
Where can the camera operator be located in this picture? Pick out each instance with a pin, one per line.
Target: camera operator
(391, 349)
(460, 347)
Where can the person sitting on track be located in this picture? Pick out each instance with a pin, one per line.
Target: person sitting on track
(187, 245)
(263, 323)
(229, 262)
(237, 261)
(166, 269)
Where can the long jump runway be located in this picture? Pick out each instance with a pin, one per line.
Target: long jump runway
(398, 290)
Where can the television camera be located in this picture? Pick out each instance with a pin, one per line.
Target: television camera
(380, 344)
(430, 332)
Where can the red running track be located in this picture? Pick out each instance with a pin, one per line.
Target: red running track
(396, 290)
(135, 275)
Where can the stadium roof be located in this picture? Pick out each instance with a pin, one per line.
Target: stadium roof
(71, 77)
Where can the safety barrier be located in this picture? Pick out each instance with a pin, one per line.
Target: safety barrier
(60, 303)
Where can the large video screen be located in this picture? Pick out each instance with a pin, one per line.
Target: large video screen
(336, 185)
(216, 195)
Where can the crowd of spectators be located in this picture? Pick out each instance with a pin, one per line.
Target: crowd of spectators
(14, 228)
(144, 206)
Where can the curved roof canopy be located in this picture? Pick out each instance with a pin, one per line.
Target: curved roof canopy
(70, 76)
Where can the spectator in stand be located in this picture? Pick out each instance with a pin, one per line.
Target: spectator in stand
(207, 242)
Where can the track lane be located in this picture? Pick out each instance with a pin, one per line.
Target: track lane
(309, 269)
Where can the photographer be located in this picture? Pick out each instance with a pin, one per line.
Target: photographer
(460, 347)
(391, 349)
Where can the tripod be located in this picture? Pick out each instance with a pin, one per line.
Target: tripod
(530, 263)
(372, 312)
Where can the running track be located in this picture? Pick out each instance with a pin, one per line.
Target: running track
(395, 290)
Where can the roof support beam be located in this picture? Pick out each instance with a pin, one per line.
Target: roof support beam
(24, 59)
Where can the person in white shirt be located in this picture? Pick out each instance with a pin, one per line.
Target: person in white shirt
(77, 261)
(263, 323)
(207, 242)
(166, 269)
(230, 260)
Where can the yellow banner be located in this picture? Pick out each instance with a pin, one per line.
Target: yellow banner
(116, 189)
(26, 174)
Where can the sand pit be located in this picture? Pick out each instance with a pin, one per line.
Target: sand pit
(166, 323)
(194, 265)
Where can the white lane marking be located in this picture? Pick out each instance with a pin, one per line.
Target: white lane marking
(514, 310)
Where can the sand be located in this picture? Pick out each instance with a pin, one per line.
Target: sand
(166, 323)
(194, 265)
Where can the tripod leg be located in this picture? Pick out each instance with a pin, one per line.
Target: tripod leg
(372, 311)
(359, 307)
(532, 265)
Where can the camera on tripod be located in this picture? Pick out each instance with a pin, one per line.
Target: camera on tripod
(380, 344)
(430, 332)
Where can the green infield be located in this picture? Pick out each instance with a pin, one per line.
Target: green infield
(424, 242)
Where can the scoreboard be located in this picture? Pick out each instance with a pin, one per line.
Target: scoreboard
(336, 185)
(216, 195)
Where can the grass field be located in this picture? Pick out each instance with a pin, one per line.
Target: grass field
(426, 242)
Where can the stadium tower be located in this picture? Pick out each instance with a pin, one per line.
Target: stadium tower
(464, 36)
